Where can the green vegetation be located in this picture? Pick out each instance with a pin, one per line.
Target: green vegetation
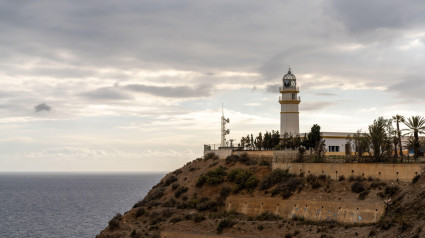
(180, 191)
(225, 223)
(140, 212)
(243, 178)
(358, 187)
(269, 141)
(114, 223)
(415, 179)
(275, 177)
(154, 194)
(268, 216)
(170, 179)
(211, 156)
(243, 158)
(212, 177)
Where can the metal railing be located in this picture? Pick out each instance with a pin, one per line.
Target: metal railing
(289, 89)
(280, 99)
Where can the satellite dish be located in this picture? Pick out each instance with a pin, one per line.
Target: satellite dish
(228, 120)
(228, 131)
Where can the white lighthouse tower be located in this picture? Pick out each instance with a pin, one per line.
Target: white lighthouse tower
(289, 101)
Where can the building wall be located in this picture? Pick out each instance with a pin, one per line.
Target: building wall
(344, 212)
(385, 172)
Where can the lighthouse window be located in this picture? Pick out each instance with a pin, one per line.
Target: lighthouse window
(293, 96)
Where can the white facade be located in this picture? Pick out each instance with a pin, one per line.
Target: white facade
(289, 101)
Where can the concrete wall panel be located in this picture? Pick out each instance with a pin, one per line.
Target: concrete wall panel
(312, 210)
(385, 172)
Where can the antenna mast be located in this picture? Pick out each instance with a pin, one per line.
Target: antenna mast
(224, 132)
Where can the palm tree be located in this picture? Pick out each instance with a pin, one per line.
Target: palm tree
(397, 119)
(417, 126)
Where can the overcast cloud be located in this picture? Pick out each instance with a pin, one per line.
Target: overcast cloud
(143, 71)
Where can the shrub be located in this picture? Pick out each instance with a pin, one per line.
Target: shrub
(322, 177)
(224, 193)
(415, 179)
(267, 216)
(275, 177)
(198, 217)
(225, 223)
(175, 219)
(260, 227)
(154, 194)
(264, 163)
(212, 177)
(286, 189)
(315, 185)
(171, 179)
(391, 190)
(180, 191)
(356, 178)
(363, 195)
(243, 158)
(341, 178)
(243, 178)
(211, 156)
(311, 178)
(192, 169)
(171, 202)
(377, 184)
(140, 212)
(207, 205)
(175, 185)
(115, 221)
(358, 187)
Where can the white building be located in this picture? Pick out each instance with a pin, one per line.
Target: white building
(336, 142)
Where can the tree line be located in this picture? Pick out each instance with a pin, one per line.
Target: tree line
(382, 140)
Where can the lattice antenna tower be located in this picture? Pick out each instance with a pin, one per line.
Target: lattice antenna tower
(224, 132)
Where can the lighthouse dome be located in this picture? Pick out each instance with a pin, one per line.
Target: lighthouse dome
(289, 75)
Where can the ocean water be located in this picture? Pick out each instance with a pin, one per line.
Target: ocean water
(67, 204)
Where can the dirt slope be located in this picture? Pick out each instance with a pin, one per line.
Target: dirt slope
(182, 201)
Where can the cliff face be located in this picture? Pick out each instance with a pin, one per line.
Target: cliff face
(194, 200)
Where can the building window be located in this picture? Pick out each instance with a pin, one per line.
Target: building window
(333, 149)
(293, 96)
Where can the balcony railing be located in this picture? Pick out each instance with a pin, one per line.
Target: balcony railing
(280, 99)
(289, 89)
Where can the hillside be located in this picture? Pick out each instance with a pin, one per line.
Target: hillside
(192, 199)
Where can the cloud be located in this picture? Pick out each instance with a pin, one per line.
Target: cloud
(325, 94)
(42, 107)
(273, 88)
(413, 87)
(203, 90)
(364, 15)
(312, 106)
(108, 93)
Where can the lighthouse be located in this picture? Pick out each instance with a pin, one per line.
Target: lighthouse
(289, 102)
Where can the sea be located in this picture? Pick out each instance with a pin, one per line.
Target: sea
(67, 204)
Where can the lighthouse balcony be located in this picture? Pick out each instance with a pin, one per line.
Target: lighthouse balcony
(289, 101)
(289, 90)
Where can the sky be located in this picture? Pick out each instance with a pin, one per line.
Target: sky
(137, 85)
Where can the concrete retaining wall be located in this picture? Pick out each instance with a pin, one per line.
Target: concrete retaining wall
(385, 172)
(311, 210)
(221, 153)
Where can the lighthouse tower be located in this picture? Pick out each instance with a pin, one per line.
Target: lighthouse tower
(289, 101)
